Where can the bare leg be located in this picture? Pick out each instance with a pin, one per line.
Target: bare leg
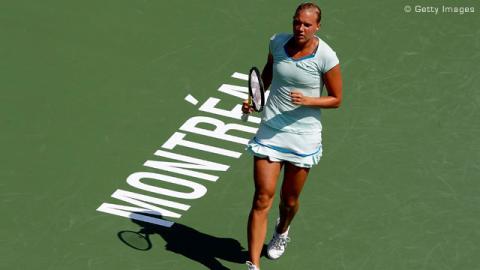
(265, 176)
(293, 181)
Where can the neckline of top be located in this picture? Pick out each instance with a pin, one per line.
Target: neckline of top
(303, 57)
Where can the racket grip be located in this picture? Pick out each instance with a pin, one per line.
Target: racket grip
(245, 117)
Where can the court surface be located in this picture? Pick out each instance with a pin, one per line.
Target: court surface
(90, 90)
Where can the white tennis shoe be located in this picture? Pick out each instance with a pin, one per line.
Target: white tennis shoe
(278, 244)
(251, 266)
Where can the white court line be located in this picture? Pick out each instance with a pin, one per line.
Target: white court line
(191, 99)
(240, 76)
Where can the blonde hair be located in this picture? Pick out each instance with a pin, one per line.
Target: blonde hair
(309, 5)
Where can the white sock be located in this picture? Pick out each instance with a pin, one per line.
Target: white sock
(284, 234)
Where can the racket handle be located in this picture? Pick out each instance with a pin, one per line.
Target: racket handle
(245, 117)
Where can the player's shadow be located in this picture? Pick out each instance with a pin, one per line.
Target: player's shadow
(203, 248)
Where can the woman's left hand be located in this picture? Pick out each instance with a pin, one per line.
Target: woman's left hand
(298, 98)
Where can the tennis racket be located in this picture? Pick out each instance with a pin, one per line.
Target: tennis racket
(256, 95)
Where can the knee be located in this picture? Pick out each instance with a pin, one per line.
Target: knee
(262, 201)
(290, 203)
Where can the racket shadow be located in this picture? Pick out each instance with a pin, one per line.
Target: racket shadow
(183, 240)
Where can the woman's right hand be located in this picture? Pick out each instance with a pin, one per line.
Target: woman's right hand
(246, 108)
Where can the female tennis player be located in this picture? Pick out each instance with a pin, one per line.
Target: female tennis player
(289, 136)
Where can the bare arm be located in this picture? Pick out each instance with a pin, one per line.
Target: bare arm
(333, 82)
(267, 72)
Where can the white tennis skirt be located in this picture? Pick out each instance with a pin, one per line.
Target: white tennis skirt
(302, 150)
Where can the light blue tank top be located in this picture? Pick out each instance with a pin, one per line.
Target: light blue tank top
(303, 74)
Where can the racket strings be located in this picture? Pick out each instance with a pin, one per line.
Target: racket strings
(256, 91)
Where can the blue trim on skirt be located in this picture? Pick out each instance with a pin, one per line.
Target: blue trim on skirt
(284, 150)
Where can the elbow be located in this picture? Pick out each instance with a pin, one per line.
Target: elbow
(337, 103)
